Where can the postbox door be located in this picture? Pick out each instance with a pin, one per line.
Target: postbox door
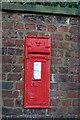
(37, 87)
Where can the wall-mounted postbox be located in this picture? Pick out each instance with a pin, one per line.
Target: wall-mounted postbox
(37, 54)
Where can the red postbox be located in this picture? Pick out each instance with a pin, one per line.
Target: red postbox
(37, 55)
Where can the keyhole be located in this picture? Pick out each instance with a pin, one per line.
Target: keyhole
(33, 84)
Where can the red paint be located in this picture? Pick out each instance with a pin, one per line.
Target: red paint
(37, 88)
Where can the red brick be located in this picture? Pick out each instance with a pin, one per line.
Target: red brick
(63, 29)
(54, 102)
(7, 25)
(57, 37)
(52, 28)
(60, 45)
(7, 42)
(18, 26)
(8, 102)
(19, 86)
(6, 68)
(17, 68)
(18, 43)
(30, 26)
(10, 94)
(9, 59)
(20, 60)
(72, 94)
(66, 103)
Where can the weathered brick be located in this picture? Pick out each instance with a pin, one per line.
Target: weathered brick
(76, 102)
(11, 51)
(69, 86)
(7, 42)
(74, 37)
(52, 28)
(14, 77)
(19, 51)
(41, 27)
(57, 94)
(21, 35)
(7, 85)
(6, 68)
(72, 94)
(63, 29)
(54, 86)
(8, 102)
(17, 68)
(60, 45)
(19, 86)
(73, 69)
(10, 94)
(66, 103)
(57, 37)
(75, 46)
(74, 29)
(54, 70)
(63, 69)
(18, 43)
(3, 77)
(57, 53)
(20, 60)
(56, 61)
(40, 19)
(54, 102)
(30, 18)
(7, 25)
(9, 59)
(30, 26)
(18, 26)
(18, 102)
(9, 34)
(17, 17)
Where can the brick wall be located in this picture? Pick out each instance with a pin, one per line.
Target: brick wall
(64, 84)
